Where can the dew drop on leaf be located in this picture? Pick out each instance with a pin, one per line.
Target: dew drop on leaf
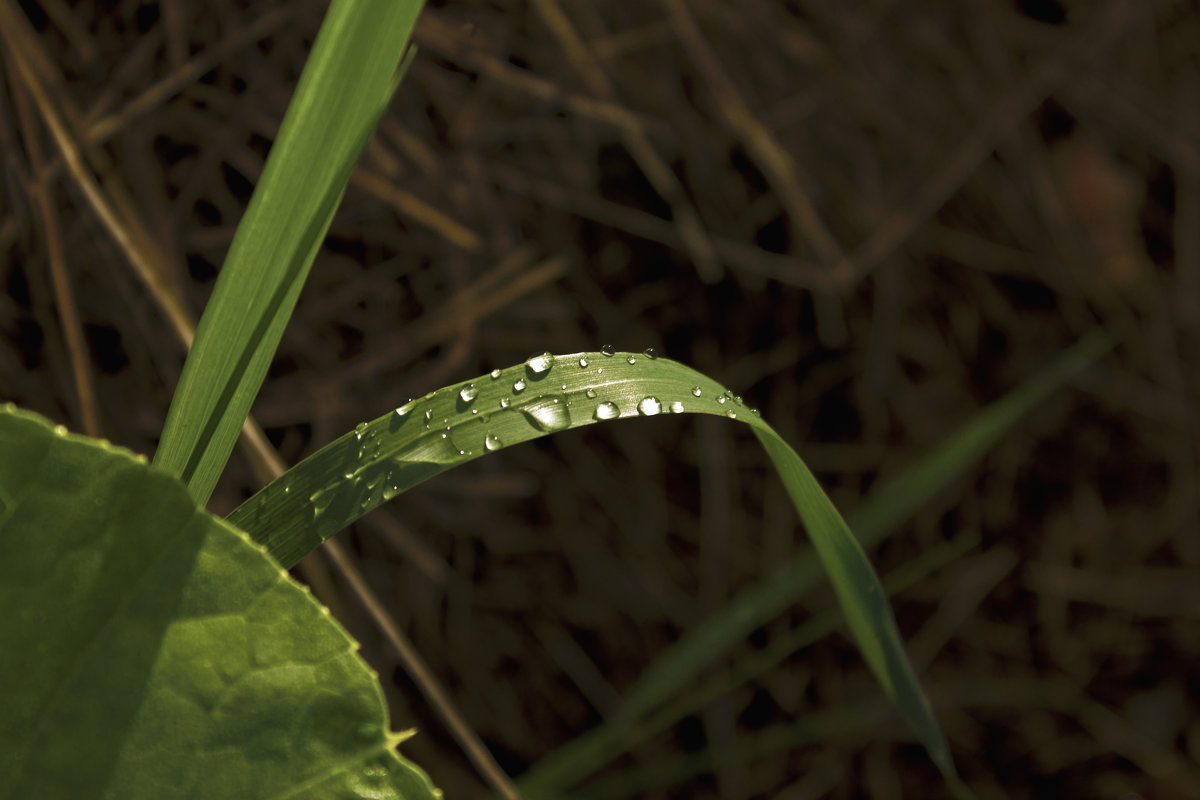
(583, 362)
(695, 391)
(631, 360)
(649, 406)
(495, 374)
(591, 394)
(519, 386)
(492, 442)
(607, 410)
(676, 407)
(360, 429)
(404, 409)
(468, 393)
(504, 401)
(731, 414)
(649, 353)
(540, 363)
(548, 414)
(608, 350)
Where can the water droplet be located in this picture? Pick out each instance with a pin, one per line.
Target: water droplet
(548, 414)
(607, 410)
(468, 393)
(591, 394)
(539, 364)
(649, 353)
(649, 406)
(474, 410)
(608, 350)
(492, 442)
(754, 411)
(583, 363)
(504, 401)
(390, 491)
(731, 414)
(721, 399)
(695, 391)
(428, 416)
(404, 409)
(430, 395)
(360, 429)
(60, 430)
(631, 360)
(495, 374)
(519, 386)
(676, 407)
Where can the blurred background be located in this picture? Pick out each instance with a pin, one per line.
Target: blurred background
(870, 219)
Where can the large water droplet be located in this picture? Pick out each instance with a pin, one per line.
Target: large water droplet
(649, 353)
(519, 386)
(492, 442)
(407, 407)
(676, 407)
(695, 391)
(721, 399)
(608, 350)
(649, 406)
(540, 363)
(607, 410)
(548, 414)
(468, 393)
(495, 374)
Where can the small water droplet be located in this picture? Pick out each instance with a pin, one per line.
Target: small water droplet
(676, 407)
(504, 401)
(495, 374)
(754, 411)
(474, 410)
(721, 399)
(649, 406)
(548, 414)
(591, 394)
(468, 393)
(519, 386)
(649, 353)
(583, 362)
(563, 387)
(695, 391)
(492, 442)
(540, 363)
(360, 429)
(428, 416)
(631, 360)
(60, 430)
(607, 410)
(608, 350)
(731, 414)
(404, 409)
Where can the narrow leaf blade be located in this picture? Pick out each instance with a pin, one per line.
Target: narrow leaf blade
(343, 90)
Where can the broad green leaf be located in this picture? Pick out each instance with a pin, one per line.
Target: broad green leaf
(345, 86)
(150, 650)
(882, 512)
(547, 394)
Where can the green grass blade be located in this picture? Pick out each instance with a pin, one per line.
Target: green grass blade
(547, 394)
(882, 512)
(343, 90)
